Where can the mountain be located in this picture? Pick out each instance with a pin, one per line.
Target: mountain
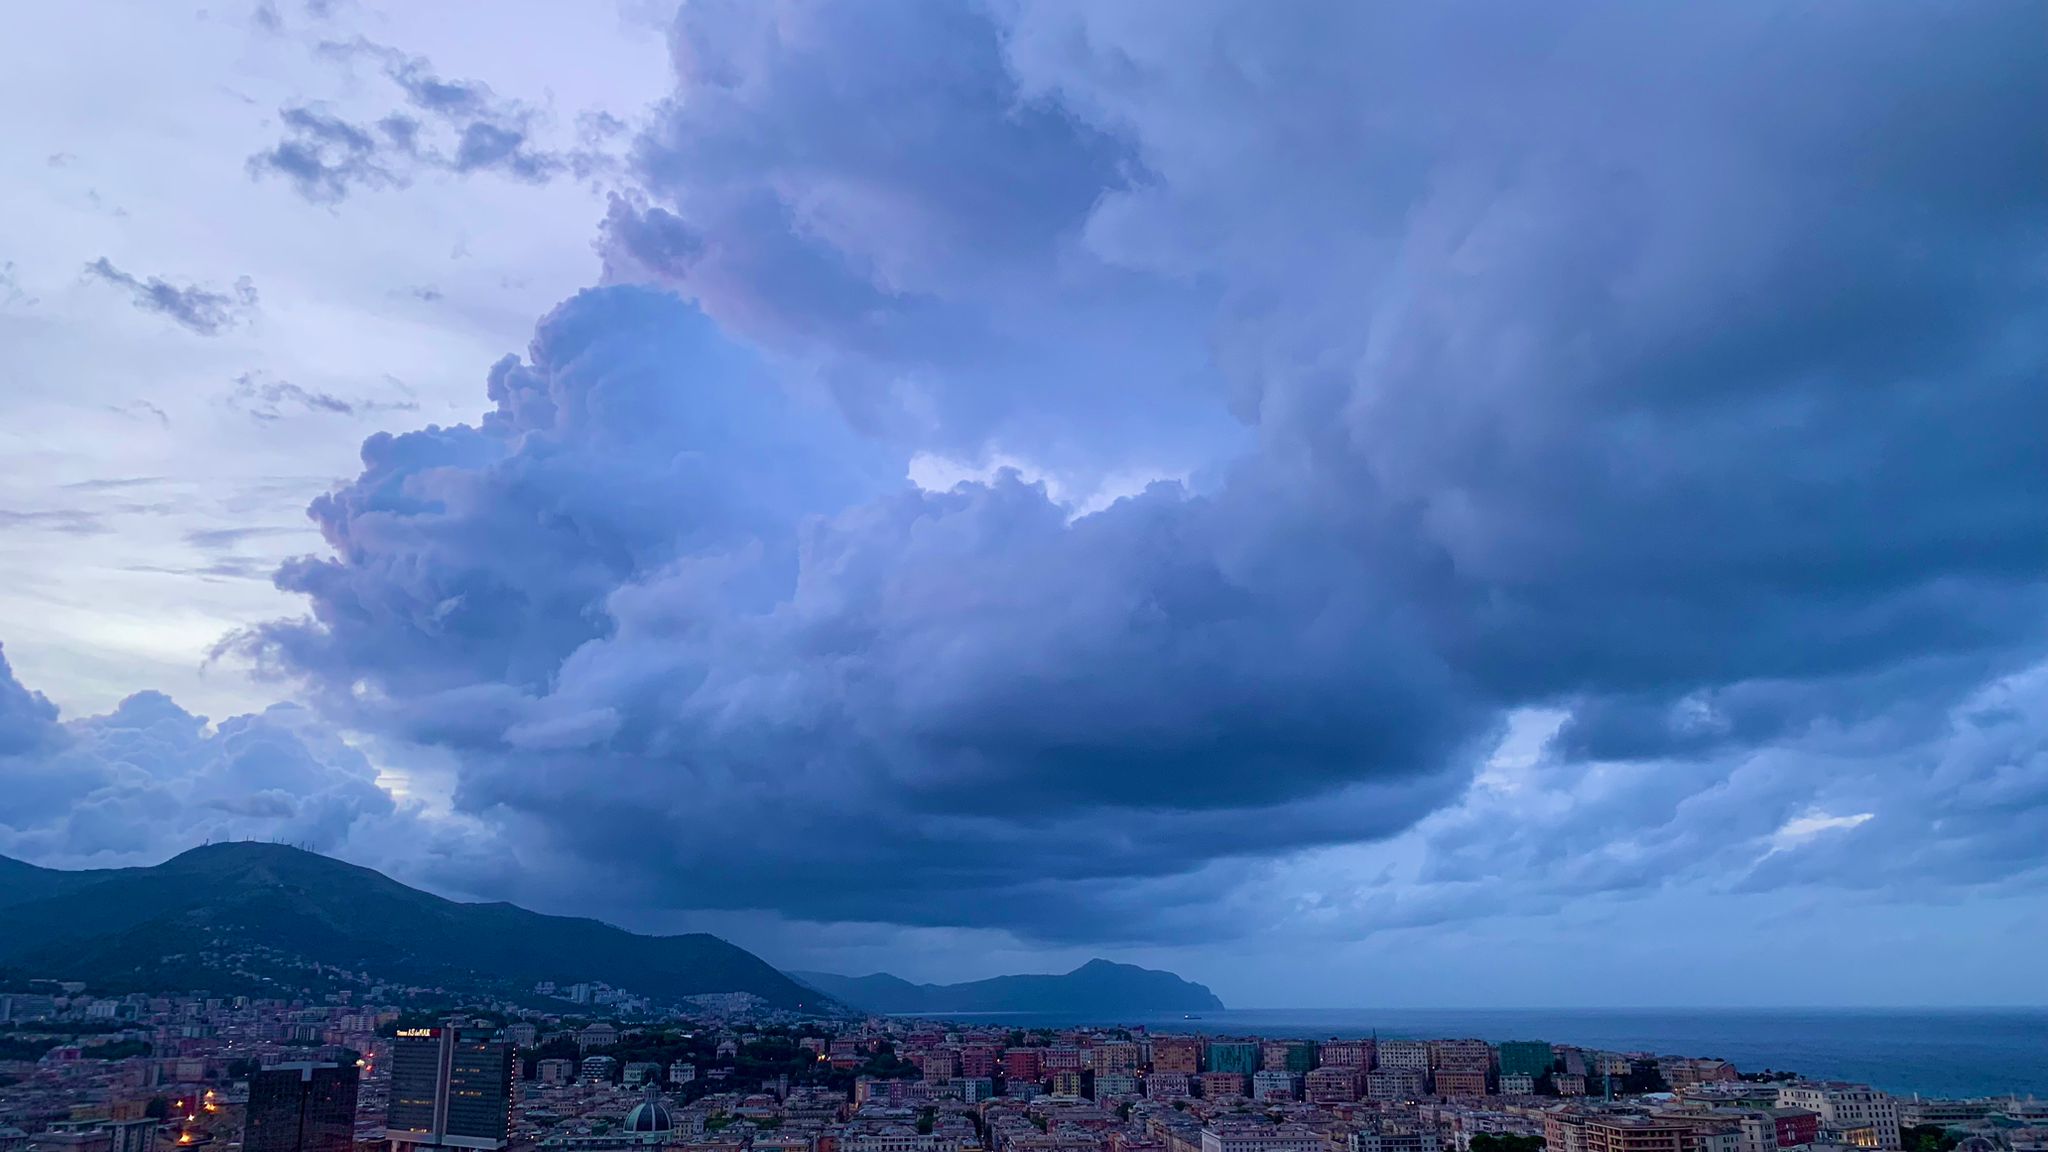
(266, 918)
(1097, 988)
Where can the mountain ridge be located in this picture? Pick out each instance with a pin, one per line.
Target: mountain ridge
(1096, 987)
(266, 916)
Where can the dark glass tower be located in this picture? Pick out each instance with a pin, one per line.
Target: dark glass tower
(451, 1087)
(301, 1108)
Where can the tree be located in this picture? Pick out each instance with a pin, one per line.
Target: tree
(553, 1048)
(885, 1065)
(11, 1049)
(1927, 1138)
(1643, 1077)
(119, 1050)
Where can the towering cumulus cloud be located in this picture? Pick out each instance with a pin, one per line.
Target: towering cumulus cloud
(1674, 374)
(647, 588)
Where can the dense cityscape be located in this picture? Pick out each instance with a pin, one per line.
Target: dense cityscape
(343, 1073)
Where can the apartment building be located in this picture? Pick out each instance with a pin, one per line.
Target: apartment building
(1333, 1085)
(1387, 1137)
(1217, 1085)
(1024, 1065)
(1262, 1138)
(1177, 1054)
(1297, 1056)
(1390, 1083)
(1404, 1054)
(1854, 1114)
(1461, 1054)
(1273, 1084)
(1118, 1057)
(1168, 1085)
(1356, 1054)
(1461, 1082)
(1636, 1134)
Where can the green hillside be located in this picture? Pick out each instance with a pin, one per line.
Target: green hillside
(265, 917)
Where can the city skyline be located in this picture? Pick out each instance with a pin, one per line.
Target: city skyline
(731, 1074)
(1357, 505)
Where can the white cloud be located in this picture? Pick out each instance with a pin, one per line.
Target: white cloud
(148, 115)
(1080, 494)
(1800, 829)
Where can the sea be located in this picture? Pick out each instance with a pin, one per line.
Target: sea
(1930, 1052)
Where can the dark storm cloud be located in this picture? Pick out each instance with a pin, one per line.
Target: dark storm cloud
(869, 191)
(964, 676)
(1973, 805)
(1665, 381)
(635, 436)
(457, 126)
(1678, 370)
(191, 306)
(1900, 801)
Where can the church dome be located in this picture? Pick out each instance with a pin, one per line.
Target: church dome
(650, 1115)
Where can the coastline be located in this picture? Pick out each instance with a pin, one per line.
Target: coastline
(1936, 1052)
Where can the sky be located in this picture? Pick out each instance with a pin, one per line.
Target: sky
(1361, 505)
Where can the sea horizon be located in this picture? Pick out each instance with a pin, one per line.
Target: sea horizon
(1944, 1052)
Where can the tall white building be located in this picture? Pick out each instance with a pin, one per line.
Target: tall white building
(1262, 1138)
(1854, 1114)
(1270, 1084)
(1385, 1137)
(1404, 1054)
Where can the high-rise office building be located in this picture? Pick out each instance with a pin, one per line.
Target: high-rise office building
(451, 1087)
(137, 1135)
(1240, 1056)
(1531, 1058)
(301, 1108)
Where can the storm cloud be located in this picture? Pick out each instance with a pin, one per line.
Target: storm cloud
(1162, 473)
(1673, 373)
